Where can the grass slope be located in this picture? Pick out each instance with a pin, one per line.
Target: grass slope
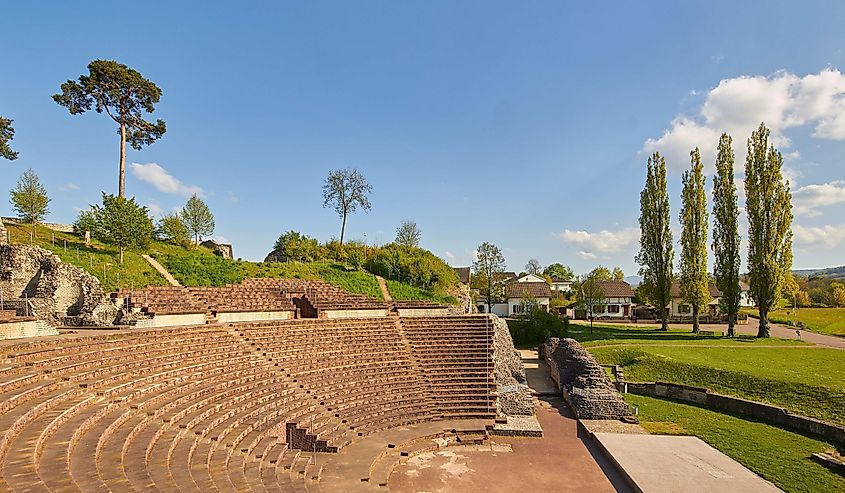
(808, 381)
(402, 291)
(135, 271)
(829, 321)
(200, 267)
(780, 456)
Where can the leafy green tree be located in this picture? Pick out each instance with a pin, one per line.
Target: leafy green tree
(589, 295)
(197, 218)
(345, 190)
(29, 198)
(768, 204)
(488, 268)
(560, 271)
(618, 274)
(694, 280)
(118, 221)
(600, 273)
(416, 266)
(726, 242)
(533, 267)
(124, 95)
(656, 255)
(408, 234)
(296, 246)
(171, 228)
(7, 133)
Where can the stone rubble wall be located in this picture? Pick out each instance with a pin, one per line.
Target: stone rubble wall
(57, 290)
(582, 381)
(514, 395)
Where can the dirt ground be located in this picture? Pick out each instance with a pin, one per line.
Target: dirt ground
(560, 461)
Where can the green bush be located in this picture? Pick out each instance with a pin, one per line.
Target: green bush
(412, 265)
(537, 326)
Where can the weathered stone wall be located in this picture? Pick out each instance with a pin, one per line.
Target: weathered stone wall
(582, 381)
(514, 395)
(58, 290)
(765, 412)
(222, 249)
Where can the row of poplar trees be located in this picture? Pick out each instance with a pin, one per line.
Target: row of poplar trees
(769, 210)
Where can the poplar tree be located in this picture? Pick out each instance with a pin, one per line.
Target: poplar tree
(694, 280)
(769, 207)
(7, 133)
(656, 255)
(726, 243)
(124, 95)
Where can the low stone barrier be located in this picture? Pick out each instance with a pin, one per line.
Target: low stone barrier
(759, 410)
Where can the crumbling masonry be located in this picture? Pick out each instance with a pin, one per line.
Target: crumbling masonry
(582, 381)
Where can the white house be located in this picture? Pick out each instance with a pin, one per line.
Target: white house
(618, 300)
(521, 295)
(679, 308)
(562, 285)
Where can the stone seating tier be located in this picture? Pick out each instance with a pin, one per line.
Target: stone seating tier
(218, 407)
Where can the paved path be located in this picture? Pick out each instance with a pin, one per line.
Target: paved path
(537, 372)
(382, 284)
(559, 461)
(751, 329)
(161, 270)
(789, 333)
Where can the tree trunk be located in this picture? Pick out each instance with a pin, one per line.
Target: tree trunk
(731, 323)
(763, 330)
(342, 229)
(664, 319)
(121, 255)
(695, 327)
(121, 188)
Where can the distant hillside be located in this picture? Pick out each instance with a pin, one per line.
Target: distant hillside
(634, 281)
(829, 272)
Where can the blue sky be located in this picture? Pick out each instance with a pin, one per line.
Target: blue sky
(526, 124)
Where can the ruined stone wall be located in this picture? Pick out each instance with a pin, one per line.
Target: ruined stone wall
(583, 382)
(58, 290)
(514, 395)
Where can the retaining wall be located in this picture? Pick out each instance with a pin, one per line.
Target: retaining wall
(759, 410)
(232, 317)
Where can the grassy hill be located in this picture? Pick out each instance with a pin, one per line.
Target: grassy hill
(829, 321)
(197, 266)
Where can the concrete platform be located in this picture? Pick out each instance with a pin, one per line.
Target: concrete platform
(659, 463)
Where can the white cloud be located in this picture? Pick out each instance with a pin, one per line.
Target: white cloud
(587, 255)
(163, 181)
(68, 187)
(449, 255)
(808, 199)
(232, 197)
(829, 235)
(738, 105)
(603, 241)
(155, 209)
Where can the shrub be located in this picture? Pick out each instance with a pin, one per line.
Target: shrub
(414, 266)
(537, 326)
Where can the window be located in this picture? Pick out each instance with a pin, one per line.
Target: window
(684, 308)
(612, 308)
(518, 309)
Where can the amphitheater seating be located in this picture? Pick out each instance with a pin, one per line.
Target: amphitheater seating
(240, 407)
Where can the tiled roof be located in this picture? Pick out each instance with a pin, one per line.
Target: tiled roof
(616, 289)
(675, 292)
(528, 290)
(463, 274)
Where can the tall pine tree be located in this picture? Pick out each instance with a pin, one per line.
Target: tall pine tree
(694, 279)
(656, 255)
(726, 241)
(769, 206)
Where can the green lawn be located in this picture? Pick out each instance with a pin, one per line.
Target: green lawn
(602, 335)
(780, 456)
(103, 261)
(808, 381)
(822, 320)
